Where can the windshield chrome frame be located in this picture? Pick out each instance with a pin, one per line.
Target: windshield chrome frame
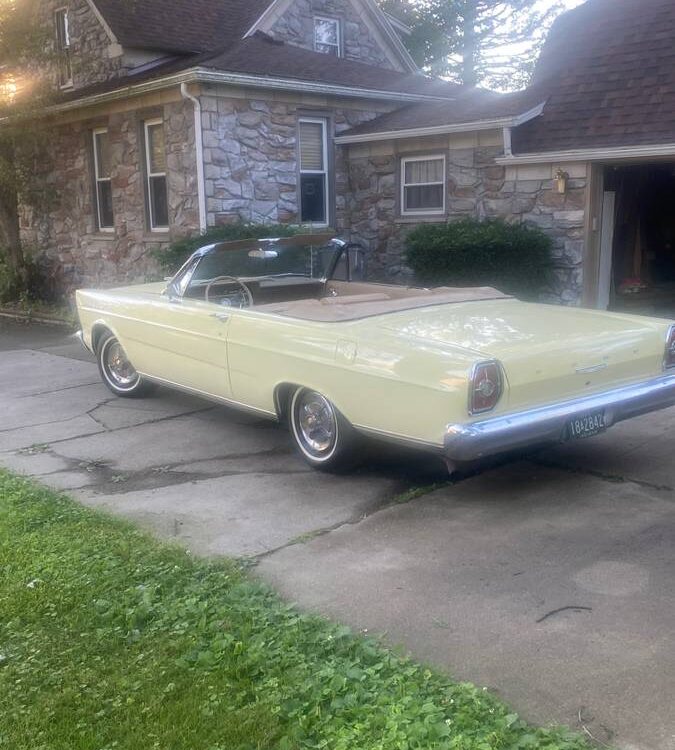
(173, 292)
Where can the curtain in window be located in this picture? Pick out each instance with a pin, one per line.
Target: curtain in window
(423, 172)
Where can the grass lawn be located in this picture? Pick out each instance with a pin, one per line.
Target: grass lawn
(110, 640)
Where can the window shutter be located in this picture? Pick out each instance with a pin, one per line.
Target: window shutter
(311, 146)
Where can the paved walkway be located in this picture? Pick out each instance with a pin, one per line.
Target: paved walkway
(550, 580)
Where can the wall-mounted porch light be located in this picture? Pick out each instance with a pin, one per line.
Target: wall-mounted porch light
(561, 178)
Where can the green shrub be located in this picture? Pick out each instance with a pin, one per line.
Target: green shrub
(35, 282)
(514, 258)
(178, 252)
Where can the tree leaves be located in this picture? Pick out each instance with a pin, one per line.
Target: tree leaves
(491, 43)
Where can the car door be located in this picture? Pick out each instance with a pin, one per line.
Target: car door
(185, 344)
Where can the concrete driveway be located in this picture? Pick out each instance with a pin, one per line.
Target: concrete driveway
(550, 580)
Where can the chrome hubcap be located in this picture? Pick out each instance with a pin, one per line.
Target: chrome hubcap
(119, 368)
(316, 422)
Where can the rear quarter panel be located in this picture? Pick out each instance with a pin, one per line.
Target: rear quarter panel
(376, 380)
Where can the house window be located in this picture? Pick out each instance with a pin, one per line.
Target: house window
(155, 155)
(102, 178)
(63, 47)
(327, 36)
(423, 185)
(313, 171)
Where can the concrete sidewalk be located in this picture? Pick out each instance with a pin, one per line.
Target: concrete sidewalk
(549, 580)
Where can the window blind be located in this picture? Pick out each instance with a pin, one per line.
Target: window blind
(311, 147)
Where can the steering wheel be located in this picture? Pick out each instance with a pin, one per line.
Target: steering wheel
(247, 298)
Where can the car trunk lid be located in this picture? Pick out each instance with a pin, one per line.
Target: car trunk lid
(548, 353)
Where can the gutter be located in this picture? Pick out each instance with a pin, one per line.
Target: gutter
(463, 127)
(617, 153)
(204, 75)
(199, 149)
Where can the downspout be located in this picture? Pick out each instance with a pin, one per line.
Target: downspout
(508, 148)
(199, 149)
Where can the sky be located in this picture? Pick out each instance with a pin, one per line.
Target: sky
(566, 3)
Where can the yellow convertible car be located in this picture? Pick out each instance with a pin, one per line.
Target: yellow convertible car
(287, 328)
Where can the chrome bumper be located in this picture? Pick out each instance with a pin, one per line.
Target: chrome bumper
(80, 337)
(547, 424)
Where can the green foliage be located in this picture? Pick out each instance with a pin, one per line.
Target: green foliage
(490, 43)
(111, 640)
(178, 252)
(515, 258)
(32, 282)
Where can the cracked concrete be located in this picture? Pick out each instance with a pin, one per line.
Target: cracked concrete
(550, 580)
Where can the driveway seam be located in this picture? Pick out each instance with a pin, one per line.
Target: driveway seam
(402, 498)
(613, 478)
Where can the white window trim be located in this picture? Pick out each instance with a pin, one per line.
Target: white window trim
(146, 125)
(66, 11)
(324, 171)
(97, 179)
(339, 33)
(423, 211)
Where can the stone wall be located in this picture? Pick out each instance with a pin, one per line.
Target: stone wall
(93, 57)
(296, 26)
(63, 227)
(476, 186)
(250, 156)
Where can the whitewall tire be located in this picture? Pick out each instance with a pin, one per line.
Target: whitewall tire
(117, 372)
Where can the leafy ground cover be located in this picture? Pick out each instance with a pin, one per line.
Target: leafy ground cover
(112, 641)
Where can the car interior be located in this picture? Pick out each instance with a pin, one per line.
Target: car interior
(338, 293)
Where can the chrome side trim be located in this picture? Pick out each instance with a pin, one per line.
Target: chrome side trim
(546, 424)
(211, 397)
(590, 370)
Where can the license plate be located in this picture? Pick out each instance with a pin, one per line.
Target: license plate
(586, 425)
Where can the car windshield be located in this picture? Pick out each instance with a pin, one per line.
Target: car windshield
(312, 257)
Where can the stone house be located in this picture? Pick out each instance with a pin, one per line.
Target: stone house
(178, 116)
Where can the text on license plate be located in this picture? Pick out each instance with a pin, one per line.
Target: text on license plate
(586, 425)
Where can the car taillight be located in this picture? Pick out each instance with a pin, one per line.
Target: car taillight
(669, 361)
(486, 387)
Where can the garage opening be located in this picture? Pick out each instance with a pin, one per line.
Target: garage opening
(641, 199)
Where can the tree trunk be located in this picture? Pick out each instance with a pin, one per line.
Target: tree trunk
(469, 72)
(10, 237)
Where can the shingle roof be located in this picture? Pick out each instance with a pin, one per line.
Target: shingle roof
(180, 25)
(262, 57)
(609, 70)
(470, 105)
(606, 75)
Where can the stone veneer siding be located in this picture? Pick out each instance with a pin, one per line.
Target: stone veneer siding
(296, 26)
(64, 229)
(251, 155)
(476, 186)
(93, 57)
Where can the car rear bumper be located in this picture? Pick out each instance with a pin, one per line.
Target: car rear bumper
(547, 424)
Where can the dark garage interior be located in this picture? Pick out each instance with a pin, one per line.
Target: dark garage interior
(643, 254)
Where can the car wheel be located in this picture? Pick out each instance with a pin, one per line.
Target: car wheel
(117, 371)
(324, 438)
